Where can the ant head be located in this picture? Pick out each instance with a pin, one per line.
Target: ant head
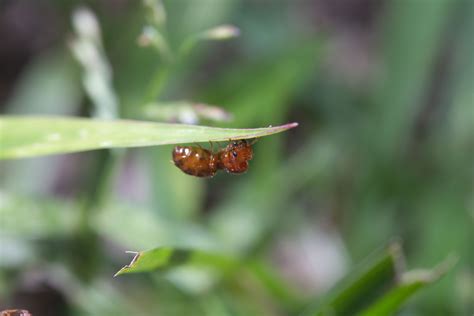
(242, 142)
(237, 143)
(236, 155)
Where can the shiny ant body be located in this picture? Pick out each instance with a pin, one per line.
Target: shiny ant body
(200, 162)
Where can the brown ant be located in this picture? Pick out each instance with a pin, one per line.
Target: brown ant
(200, 162)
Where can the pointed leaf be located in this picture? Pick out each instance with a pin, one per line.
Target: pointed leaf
(411, 282)
(167, 257)
(35, 136)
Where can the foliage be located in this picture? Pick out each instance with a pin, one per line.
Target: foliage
(33, 136)
(383, 150)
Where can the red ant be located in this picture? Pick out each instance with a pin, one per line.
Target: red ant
(200, 162)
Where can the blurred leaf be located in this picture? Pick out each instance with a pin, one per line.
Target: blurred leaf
(221, 32)
(275, 284)
(95, 299)
(446, 206)
(363, 285)
(144, 229)
(184, 112)
(218, 33)
(166, 257)
(35, 218)
(459, 138)
(87, 48)
(151, 36)
(449, 203)
(379, 287)
(411, 282)
(407, 72)
(49, 85)
(156, 12)
(35, 136)
(188, 17)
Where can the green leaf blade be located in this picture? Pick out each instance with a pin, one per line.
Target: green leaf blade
(392, 301)
(378, 287)
(411, 282)
(22, 137)
(162, 258)
(363, 285)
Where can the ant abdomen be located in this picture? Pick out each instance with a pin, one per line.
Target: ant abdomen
(195, 161)
(200, 162)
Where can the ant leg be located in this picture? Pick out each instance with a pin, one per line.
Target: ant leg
(212, 145)
(253, 141)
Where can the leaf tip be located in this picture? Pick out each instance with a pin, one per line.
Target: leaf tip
(128, 266)
(284, 127)
(447, 264)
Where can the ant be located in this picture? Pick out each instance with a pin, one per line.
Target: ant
(204, 163)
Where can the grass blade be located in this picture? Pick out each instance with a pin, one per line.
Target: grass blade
(363, 286)
(163, 258)
(411, 283)
(35, 136)
(379, 287)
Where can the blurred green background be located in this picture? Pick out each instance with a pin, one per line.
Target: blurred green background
(384, 95)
